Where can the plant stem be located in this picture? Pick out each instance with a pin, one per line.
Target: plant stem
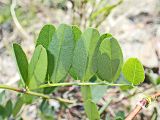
(82, 84)
(18, 25)
(38, 94)
(10, 88)
(24, 91)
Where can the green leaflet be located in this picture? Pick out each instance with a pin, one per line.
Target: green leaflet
(27, 99)
(77, 34)
(18, 105)
(2, 111)
(90, 97)
(91, 110)
(37, 67)
(8, 108)
(89, 106)
(108, 58)
(45, 35)
(86, 93)
(50, 66)
(22, 62)
(83, 53)
(96, 96)
(61, 47)
(133, 71)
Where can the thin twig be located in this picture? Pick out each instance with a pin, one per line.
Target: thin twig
(24, 91)
(143, 103)
(82, 84)
(18, 25)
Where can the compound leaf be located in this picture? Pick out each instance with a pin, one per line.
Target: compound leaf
(37, 67)
(133, 71)
(76, 34)
(22, 62)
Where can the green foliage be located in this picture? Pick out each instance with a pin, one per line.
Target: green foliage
(8, 108)
(22, 62)
(61, 47)
(108, 58)
(37, 67)
(27, 99)
(86, 93)
(17, 107)
(82, 67)
(2, 111)
(90, 98)
(91, 110)
(96, 96)
(77, 34)
(133, 71)
(44, 39)
(2, 97)
(83, 53)
(86, 56)
(45, 35)
(90, 106)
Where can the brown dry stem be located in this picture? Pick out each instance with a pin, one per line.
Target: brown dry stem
(143, 103)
